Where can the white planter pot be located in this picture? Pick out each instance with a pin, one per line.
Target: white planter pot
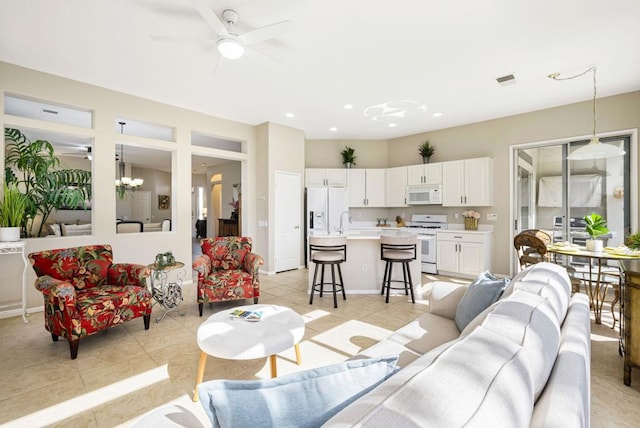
(9, 234)
(594, 245)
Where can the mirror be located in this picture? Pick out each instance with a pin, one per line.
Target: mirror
(54, 170)
(143, 189)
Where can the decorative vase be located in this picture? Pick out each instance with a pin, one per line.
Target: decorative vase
(594, 245)
(425, 159)
(347, 165)
(9, 234)
(470, 223)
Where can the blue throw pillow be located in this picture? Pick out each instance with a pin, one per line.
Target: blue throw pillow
(304, 399)
(482, 293)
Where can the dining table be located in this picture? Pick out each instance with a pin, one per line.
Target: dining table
(596, 288)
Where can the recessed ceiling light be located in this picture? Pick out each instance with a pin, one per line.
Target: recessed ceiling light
(392, 125)
(203, 164)
(438, 114)
(290, 115)
(348, 106)
(333, 129)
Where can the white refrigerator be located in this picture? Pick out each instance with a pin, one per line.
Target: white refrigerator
(324, 207)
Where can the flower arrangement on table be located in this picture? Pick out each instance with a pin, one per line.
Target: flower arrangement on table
(471, 218)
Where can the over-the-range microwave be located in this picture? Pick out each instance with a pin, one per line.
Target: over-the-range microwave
(424, 195)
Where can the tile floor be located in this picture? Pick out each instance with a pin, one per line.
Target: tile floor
(124, 372)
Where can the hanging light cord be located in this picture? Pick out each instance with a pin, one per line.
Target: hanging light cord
(556, 76)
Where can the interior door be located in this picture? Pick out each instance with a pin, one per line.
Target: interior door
(141, 205)
(288, 220)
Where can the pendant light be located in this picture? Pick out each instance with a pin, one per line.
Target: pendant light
(125, 183)
(594, 149)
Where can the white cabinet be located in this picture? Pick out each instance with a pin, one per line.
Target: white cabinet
(467, 182)
(396, 190)
(429, 173)
(366, 187)
(465, 254)
(320, 177)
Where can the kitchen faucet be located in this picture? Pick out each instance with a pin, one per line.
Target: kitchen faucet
(341, 228)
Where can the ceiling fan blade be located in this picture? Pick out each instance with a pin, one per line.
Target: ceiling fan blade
(267, 32)
(271, 59)
(179, 39)
(210, 18)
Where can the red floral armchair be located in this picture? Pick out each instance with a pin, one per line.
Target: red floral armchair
(227, 270)
(85, 292)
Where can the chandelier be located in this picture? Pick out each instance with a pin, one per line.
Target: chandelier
(124, 183)
(594, 149)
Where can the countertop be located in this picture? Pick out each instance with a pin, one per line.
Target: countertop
(370, 233)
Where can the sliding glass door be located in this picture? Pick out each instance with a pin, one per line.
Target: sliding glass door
(553, 193)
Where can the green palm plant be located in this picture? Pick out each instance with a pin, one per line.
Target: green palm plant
(13, 205)
(348, 156)
(47, 186)
(633, 241)
(426, 150)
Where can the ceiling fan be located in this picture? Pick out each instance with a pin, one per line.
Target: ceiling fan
(83, 152)
(230, 44)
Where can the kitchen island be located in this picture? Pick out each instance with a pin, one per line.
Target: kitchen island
(363, 271)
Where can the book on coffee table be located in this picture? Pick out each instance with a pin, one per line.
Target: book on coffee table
(246, 315)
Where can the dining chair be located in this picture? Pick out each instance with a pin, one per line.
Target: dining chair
(531, 247)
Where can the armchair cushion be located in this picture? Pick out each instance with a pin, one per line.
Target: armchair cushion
(84, 267)
(228, 252)
(228, 285)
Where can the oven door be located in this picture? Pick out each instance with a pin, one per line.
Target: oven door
(428, 252)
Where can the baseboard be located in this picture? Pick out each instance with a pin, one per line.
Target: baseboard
(18, 312)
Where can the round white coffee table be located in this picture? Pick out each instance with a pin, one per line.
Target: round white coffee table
(230, 338)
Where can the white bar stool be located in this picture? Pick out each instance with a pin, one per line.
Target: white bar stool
(398, 249)
(328, 251)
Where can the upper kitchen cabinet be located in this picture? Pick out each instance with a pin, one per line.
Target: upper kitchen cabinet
(396, 187)
(467, 182)
(366, 187)
(429, 173)
(320, 177)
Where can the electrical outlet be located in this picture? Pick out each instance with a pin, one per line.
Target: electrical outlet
(364, 268)
(492, 217)
(456, 215)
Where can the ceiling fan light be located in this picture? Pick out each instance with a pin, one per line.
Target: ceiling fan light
(230, 48)
(596, 150)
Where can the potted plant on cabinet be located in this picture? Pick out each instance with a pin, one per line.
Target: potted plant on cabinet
(596, 226)
(348, 157)
(47, 186)
(426, 150)
(13, 206)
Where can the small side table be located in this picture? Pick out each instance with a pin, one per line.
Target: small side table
(166, 294)
(18, 247)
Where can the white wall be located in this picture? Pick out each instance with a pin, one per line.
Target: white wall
(107, 105)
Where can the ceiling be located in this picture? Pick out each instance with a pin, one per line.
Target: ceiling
(397, 62)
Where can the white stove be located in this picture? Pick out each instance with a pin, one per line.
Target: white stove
(426, 226)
